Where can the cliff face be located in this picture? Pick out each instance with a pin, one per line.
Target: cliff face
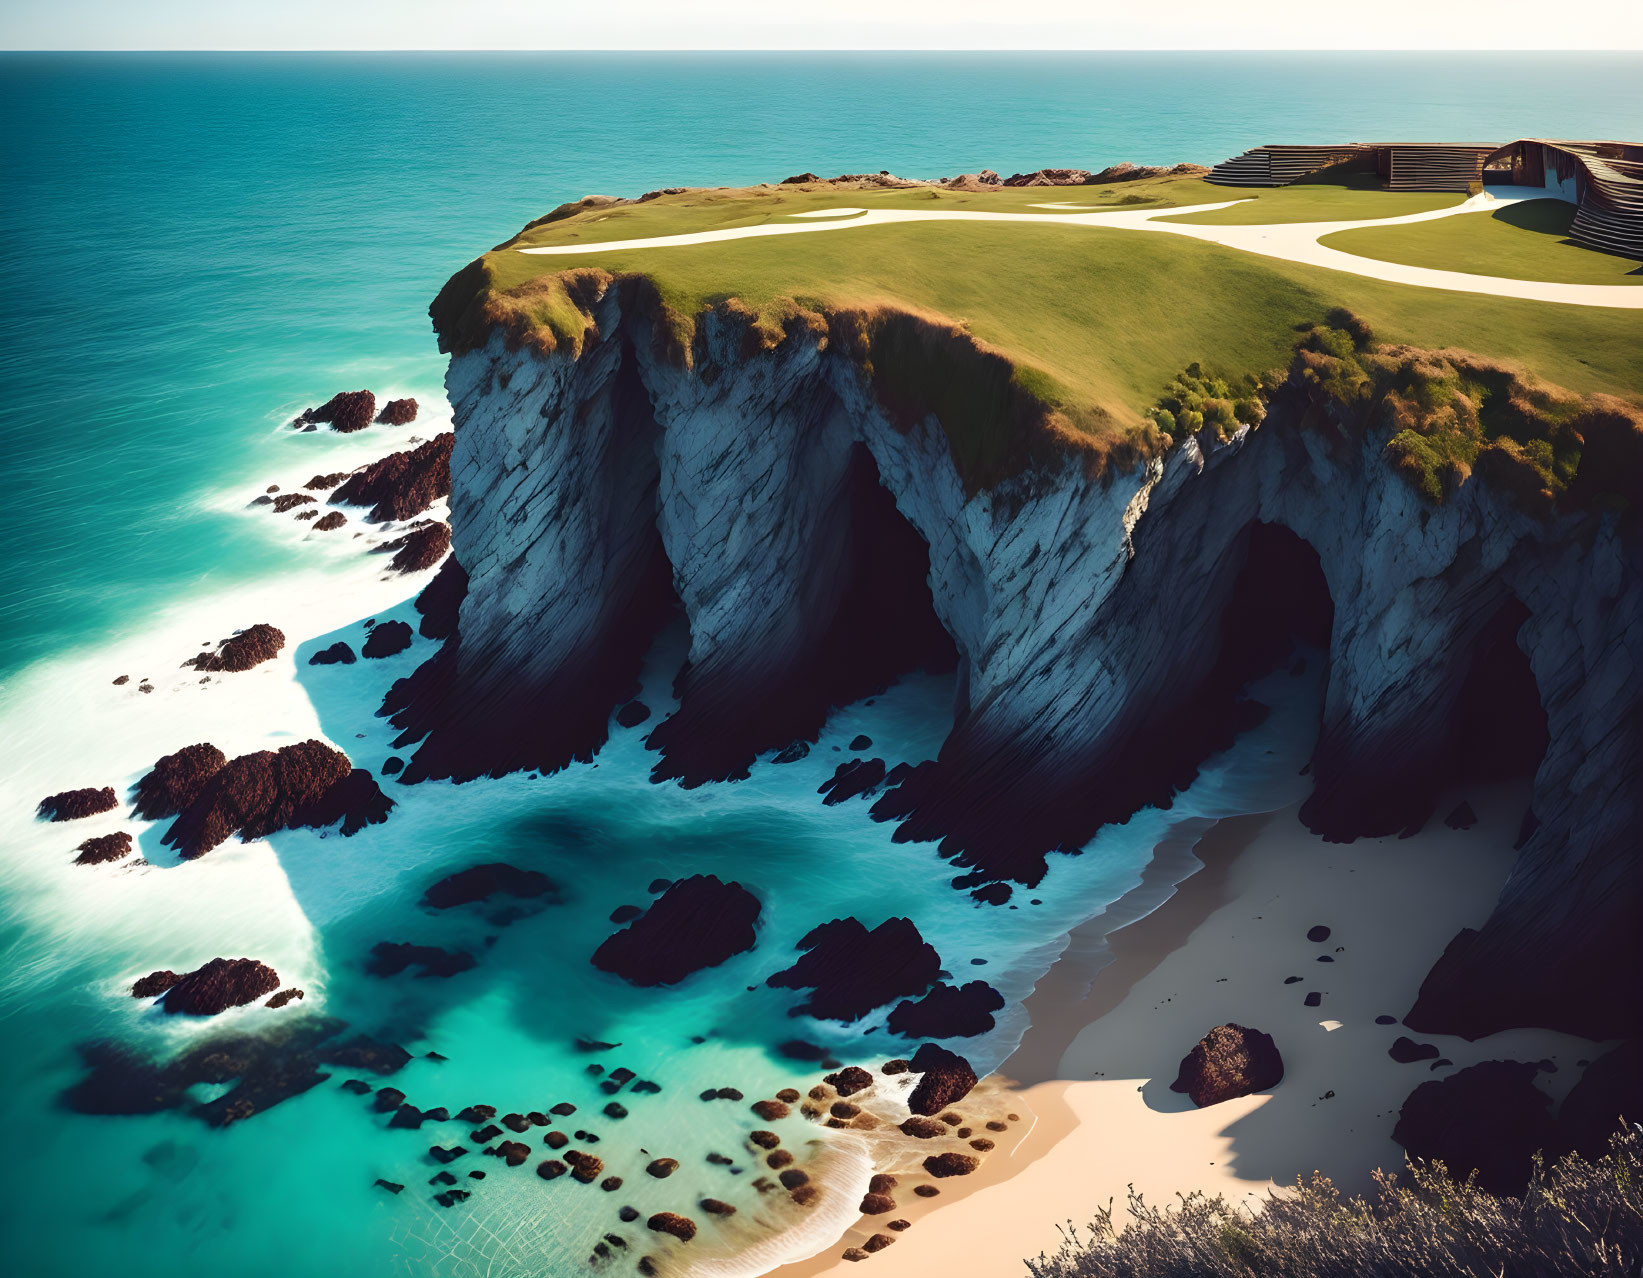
(1100, 627)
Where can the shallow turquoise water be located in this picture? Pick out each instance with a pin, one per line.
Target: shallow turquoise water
(193, 248)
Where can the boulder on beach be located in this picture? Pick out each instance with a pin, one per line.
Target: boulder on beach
(849, 1080)
(72, 805)
(948, 1012)
(219, 985)
(345, 412)
(401, 485)
(947, 1079)
(1230, 1061)
(1489, 1118)
(307, 784)
(951, 1164)
(250, 647)
(851, 970)
(99, 851)
(175, 781)
(398, 412)
(698, 922)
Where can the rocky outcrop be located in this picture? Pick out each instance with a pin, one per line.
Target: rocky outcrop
(401, 485)
(850, 970)
(175, 781)
(100, 851)
(698, 922)
(155, 984)
(948, 1012)
(1490, 1119)
(346, 412)
(398, 412)
(308, 784)
(73, 805)
(219, 985)
(744, 479)
(287, 502)
(330, 521)
(946, 1079)
(249, 647)
(419, 549)
(1228, 1062)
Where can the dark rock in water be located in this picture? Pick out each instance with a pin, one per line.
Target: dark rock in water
(627, 1215)
(338, 654)
(389, 958)
(1462, 818)
(716, 1207)
(1406, 1050)
(279, 1000)
(727, 1093)
(515, 1122)
(1228, 1062)
(550, 1169)
(391, 1186)
(594, 1045)
(346, 412)
(993, 893)
(793, 753)
(1382, 1019)
(897, 1066)
(481, 882)
(513, 1152)
(392, 765)
(154, 984)
(407, 1116)
(122, 679)
(250, 647)
(1314, 999)
(387, 1100)
(419, 549)
(658, 886)
(71, 805)
(698, 922)
(1293, 980)
(307, 514)
(387, 639)
(633, 714)
(764, 1139)
(1489, 1118)
(862, 742)
(439, 1114)
(850, 970)
(646, 1085)
(446, 1154)
(948, 1012)
(667, 1222)
(948, 1164)
(662, 1168)
(402, 484)
(398, 412)
(1317, 935)
(922, 1127)
(770, 1110)
(330, 521)
(219, 985)
(175, 781)
(482, 1135)
(563, 1109)
(364, 1052)
(584, 1167)
(947, 1079)
(308, 784)
(358, 1086)
(476, 1114)
(442, 1178)
(319, 482)
(290, 501)
(610, 1184)
(440, 602)
(1609, 1090)
(625, 913)
(849, 1081)
(556, 1140)
(451, 1197)
(108, 847)
(858, 776)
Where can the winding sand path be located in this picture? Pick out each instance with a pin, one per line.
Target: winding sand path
(1291, 242)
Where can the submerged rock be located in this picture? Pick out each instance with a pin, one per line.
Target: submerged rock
(850, 970)
(481, 882)
(697, 923)
(219, 985)
(389, 958)
(72, 805)
(250, 647)
(175, 781)
(1228, 1062)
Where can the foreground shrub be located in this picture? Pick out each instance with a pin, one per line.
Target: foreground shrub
(1576, 1218)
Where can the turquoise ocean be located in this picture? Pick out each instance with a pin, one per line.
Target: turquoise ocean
(193, 248)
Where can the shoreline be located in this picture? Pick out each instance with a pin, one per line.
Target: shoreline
(1093, 1071)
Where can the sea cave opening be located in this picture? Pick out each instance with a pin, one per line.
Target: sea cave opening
(1499, 730)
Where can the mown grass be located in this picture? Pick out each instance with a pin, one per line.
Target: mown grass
(1577, 1218)
(1332, 198)
(1521, 241)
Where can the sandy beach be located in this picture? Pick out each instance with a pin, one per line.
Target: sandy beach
(1093, 1073)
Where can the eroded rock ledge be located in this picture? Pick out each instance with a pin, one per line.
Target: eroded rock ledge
(795, 492)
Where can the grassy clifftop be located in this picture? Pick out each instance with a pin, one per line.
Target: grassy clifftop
(1080, 331)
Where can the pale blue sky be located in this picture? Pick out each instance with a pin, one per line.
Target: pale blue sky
(819, 24)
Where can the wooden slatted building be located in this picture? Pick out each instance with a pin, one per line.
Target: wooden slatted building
(1281, 165)
(1604, 180)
